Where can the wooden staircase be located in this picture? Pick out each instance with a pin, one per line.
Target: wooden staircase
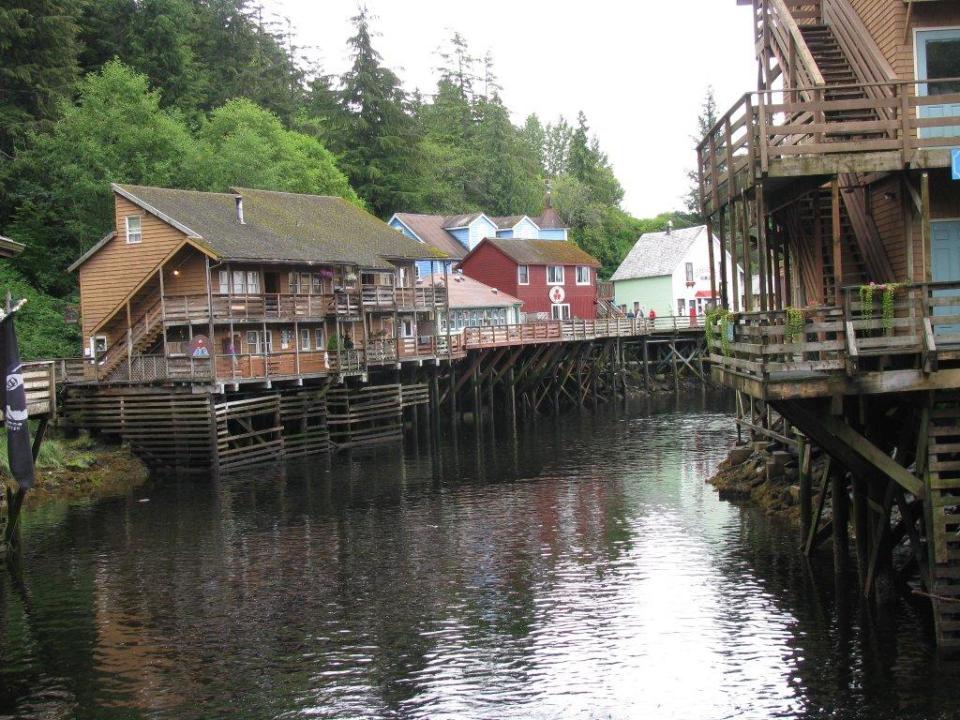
(853, 264)
(943, 516)
(838, 75)
(142, 335)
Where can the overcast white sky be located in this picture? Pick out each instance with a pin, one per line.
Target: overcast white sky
(637, 69)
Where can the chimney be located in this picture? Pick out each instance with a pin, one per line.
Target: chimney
(239, 199)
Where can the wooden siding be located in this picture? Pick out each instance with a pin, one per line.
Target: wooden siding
(108, 276)
(490, 266)
(191, 277)
(887, 22)
(885, 204)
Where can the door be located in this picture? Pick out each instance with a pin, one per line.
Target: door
(938, 56)
(271, 297)
(946, 267)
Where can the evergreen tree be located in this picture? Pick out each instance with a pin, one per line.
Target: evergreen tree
(705, 123)
(38, 47)
(378, 144)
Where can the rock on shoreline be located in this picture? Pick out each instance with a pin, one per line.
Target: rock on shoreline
(758, 473)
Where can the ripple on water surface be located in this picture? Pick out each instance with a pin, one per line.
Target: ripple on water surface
(582, 570)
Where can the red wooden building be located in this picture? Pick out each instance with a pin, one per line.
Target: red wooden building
(555, 279)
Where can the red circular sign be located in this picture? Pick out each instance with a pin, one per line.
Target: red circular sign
(557, 294)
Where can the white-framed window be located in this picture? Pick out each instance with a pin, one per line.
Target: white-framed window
(293, 281)
(688, 267)
(402, 277)
(554, 274)
(239, 282)
(321, 344)
(406, 327)
(523, 274)
(583, 275)
(134, 229)
(681, 306)
(560, 312)
(224, 282)
(98, 345)
(304, 338)
(253, 282)
(317, 286)
(416, 272)
(253, 342)
(286, 338)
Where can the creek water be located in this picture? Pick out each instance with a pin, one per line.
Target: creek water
(580, 568)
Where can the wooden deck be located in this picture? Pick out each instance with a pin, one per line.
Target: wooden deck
(793, 133)
(294, 365)
(849, 350)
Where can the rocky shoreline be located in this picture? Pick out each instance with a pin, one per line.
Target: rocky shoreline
(82, 469)
(759, 473)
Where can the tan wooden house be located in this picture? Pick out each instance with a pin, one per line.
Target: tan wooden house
(834, 184)
(251, 285)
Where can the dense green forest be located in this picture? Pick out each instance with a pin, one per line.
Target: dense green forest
(206, 94)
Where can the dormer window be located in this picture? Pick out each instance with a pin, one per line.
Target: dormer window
(134, 229)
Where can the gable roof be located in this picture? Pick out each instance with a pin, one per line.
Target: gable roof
(657, 253)
(507, 222)
(538, 252)
(431, 230)
(278, 227)
(452, 222)
(467, 292)
(549, 220)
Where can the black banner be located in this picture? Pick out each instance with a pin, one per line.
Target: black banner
(19, 451)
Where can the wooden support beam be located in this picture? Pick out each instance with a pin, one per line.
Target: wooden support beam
(811, 540)
(839, 513)
(927, 228)
(762, 249)
(804, 455)
(837, 235)
(724, 290)
(734, 263)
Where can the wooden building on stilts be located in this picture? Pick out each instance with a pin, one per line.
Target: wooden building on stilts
(832, 185)
(224, 329)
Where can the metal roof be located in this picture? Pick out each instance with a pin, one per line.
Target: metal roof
(658, 253)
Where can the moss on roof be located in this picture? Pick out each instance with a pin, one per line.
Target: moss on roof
(539, 252)
(280, 226)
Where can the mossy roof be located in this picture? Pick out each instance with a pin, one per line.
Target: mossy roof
(281, 226)
(538, 252)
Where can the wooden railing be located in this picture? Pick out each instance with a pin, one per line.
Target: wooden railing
(287, 364)
(920, 321)
(778, 21)
(765, 127)
(127, 344)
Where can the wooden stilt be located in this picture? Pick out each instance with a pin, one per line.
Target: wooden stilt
(838, 506)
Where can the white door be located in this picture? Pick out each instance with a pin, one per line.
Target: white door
(938, 56)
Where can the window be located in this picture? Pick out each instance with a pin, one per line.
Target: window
(286, 338)
(406, 327)
(681, 306)
(98, 344)
(305, 339)
(555, 274)
(239, 282)
(416, 270)
(523, 275)
(636, 307)
(317, 284)
(320, 343)
(253, 282)
(402, 278)
(560, 312)
(253, 342)
(583, 275)
(224, 282)
(268, 341)
(134, 229)
(689, 270)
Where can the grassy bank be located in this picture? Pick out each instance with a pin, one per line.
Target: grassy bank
(80, 468)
